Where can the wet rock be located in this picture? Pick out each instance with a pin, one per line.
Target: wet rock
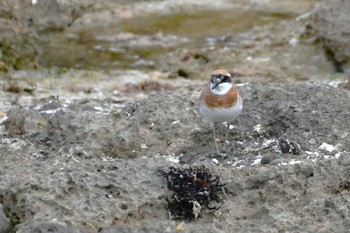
(4, 222)
(330, 22)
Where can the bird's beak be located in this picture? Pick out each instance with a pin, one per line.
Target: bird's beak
(216, 83)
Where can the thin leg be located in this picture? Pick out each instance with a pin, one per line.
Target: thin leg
(227, 130)
(216, 144)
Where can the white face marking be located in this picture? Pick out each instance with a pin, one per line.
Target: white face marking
(222, 89)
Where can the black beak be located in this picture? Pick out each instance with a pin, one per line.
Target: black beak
(216, 81)
(215, 85)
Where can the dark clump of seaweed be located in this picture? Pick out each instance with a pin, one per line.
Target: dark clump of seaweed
(193, 189)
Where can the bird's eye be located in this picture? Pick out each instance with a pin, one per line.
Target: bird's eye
(226, 79)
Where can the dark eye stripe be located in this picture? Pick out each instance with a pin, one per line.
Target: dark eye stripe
(223, 77)
(226, 78)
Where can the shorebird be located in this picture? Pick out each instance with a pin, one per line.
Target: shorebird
(220, 101)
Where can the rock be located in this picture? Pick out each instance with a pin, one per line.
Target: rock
(331, 24)
(165, 226)
(287, 146)
(25, 121)
(50, 227)
(97, 128)
(345, 158)
(108, 192)
(93, 165)
(268, 158)
(4, 222)
(234, 188)
(22, 22)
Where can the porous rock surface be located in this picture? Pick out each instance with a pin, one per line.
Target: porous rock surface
(92, 165)
(331, 23)
(4, 222)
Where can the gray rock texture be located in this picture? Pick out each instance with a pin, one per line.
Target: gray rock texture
(101, 128)
(92, 165)
(4, 222)
(52, 226)
(331, 23)
(165, 226)
(24, 24)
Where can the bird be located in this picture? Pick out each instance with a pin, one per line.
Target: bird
(220, 101)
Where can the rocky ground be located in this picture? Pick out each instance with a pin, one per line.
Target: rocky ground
(91, 165)
(85, 156)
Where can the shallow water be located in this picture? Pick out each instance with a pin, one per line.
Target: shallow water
(264, 39)
(110, 47)
(200, 24)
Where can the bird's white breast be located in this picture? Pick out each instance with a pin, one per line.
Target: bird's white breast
(221, 114)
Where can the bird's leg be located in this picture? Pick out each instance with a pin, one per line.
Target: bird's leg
(227, 130)
(216, 144)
